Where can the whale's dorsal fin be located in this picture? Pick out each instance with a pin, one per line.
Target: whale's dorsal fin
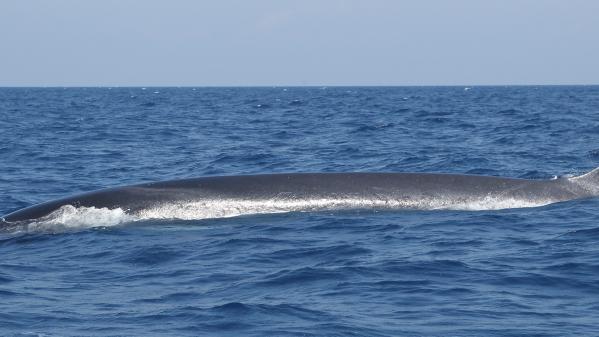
(588, 177)
(588, 181)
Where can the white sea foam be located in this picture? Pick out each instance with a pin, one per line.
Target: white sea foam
(208, 209)
(69, 217)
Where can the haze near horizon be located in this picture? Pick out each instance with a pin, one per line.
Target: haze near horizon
(268, 42)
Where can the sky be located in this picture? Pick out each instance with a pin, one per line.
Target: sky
(293, 42)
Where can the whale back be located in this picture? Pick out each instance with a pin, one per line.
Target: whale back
(247, 194)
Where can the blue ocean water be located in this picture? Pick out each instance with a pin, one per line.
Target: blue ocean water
(513, 272)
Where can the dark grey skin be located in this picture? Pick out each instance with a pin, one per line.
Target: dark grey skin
(319, 191)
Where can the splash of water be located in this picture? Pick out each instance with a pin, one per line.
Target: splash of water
(69, 217)
(207, 209)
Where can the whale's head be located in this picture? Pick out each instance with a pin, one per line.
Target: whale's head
(33, 212)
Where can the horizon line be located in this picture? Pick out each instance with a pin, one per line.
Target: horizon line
(298, 86)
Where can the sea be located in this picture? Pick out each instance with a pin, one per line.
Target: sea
(509, 272)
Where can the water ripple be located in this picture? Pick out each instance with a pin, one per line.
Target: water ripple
(437, 273)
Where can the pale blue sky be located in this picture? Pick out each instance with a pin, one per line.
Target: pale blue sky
(308, 42)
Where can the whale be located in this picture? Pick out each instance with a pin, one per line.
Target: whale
(226, 196)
